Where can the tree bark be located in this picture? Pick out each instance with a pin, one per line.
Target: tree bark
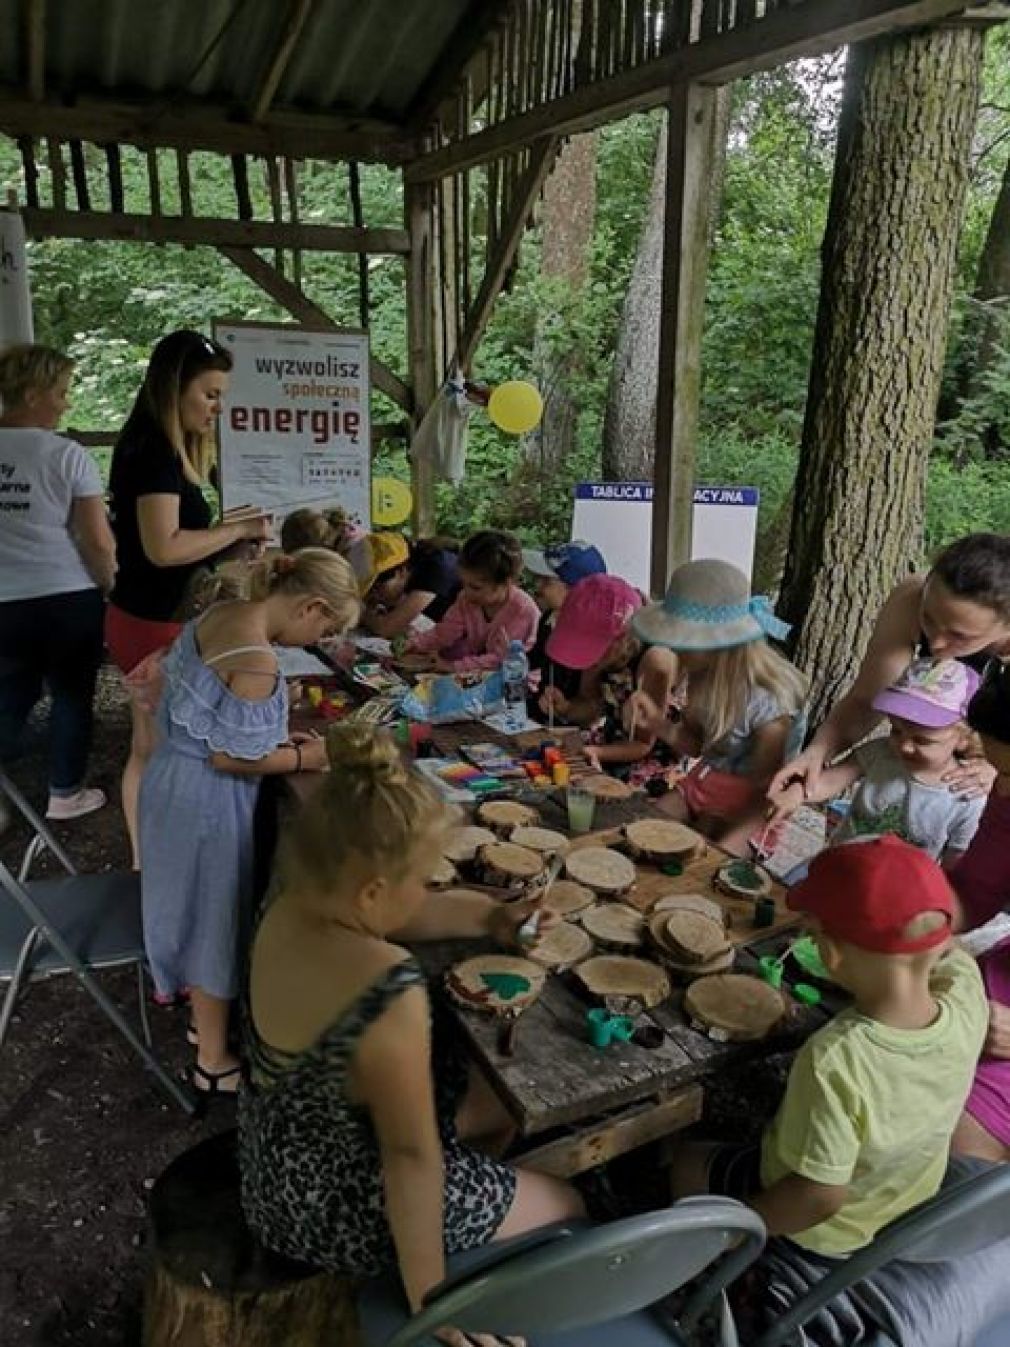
(569, 217)
(901, 172)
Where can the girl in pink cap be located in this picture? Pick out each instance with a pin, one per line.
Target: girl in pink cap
(743, 715)
(593, 636)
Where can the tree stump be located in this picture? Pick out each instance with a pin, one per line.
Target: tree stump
(211, 1284)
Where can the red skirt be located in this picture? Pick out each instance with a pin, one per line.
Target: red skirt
(131, 639)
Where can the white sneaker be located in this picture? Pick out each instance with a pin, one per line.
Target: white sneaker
(83, 801)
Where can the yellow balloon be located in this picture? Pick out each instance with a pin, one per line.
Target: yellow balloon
(391, 501)
(515, 407)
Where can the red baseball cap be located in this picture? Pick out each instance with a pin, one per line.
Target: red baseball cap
(593, 615)
(866, 891)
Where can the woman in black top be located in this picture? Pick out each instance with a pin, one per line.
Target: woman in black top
(161, 520)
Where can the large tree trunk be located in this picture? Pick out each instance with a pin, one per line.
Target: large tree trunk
(569, 216)
(629, 423)
(901, 171)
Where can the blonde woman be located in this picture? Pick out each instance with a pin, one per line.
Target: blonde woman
(161, 519)
(57, 555)
(223, 724)
(743, 717)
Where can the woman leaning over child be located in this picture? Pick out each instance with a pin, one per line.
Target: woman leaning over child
(353, 1121)
(743, 715)
(223, 721)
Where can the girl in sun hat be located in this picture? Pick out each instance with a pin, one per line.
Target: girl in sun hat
(592, 635)
(743, 711)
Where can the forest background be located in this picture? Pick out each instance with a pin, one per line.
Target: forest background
(108, 303)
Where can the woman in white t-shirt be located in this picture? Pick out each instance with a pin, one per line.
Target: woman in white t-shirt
(57, 556)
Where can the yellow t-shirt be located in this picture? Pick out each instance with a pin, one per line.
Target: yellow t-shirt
(873, 1108)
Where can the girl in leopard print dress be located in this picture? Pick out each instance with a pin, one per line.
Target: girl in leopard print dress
(355, 1115)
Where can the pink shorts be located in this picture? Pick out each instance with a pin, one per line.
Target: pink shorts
(131, 639)
(989, 1101)
(723, 795)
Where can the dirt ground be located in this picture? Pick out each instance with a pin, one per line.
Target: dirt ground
(84, 1130)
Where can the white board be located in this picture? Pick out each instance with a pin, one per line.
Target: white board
(16, 324)
(295, 429)
(616, 517)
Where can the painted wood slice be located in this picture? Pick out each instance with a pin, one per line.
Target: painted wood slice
(614, 925)
(722, 962)
(566, 898)
(693, 938)
(600, 869)
(443, 876)
(691, 902)
(545, 840)
(462, 844)
(734, 1007)
(504, 815)
(496, 984)
(509, 866)
(614, 977)
(743, 879)
(662, 839)
(561, 947)
(605, 787)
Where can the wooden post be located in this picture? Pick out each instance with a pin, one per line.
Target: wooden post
(690, 145)
(421, 342)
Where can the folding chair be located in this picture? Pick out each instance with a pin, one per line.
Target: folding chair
(586, 1286)
(72, 924)
(963, 1219)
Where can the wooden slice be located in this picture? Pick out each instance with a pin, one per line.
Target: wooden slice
(693, 938)
(443, 876)
(462, 844)
(566, 898)
(614, 925)
(691, 902)
(662, 839)
(613, 977)
(720, 964)
(563, 946)
(502, 816)
(734, 1007)
(600, 869)
(496, 984)
(545, 840)
(605, 787)
(509, 866)
(743, 879)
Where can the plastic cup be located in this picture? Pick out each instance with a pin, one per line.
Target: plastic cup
(600, 1031)
(581, 808)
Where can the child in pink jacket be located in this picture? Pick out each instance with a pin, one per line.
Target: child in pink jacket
(490, 612)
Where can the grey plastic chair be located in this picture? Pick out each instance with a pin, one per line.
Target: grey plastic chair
(964, 1218)
(587, 1286)
(72, 924)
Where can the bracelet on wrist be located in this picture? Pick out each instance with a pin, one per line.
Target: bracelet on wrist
(298, 756)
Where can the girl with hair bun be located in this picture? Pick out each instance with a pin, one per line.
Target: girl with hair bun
(353, 1120)
(223, 724)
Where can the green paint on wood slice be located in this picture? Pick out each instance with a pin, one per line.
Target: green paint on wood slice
(744, 876)
(506, 985)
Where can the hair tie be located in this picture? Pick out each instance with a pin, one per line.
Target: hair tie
(284, 565)
(761, 609)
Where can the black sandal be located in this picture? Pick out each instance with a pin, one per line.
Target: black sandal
(211, 1090)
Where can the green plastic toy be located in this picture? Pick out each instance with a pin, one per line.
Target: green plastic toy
(806, 995)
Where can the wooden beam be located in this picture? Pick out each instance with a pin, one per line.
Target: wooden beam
(527, 190)
(477, 21)
(195, 229)
(691, 133)
(419, 212)
(35, 49)
(803, 29)
(296, 301)
(298, 12)
(204, 126)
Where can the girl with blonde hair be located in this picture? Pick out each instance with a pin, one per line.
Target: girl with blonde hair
(223, 723)
(353, 1123)
(57, 555)
(743, 714)
(161, 518)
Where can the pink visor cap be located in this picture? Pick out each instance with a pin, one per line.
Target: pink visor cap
(931, 692)
(593, 615)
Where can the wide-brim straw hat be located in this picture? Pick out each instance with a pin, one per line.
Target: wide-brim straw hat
(708, 606)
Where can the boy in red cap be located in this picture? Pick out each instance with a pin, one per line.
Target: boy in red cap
(864, 1130)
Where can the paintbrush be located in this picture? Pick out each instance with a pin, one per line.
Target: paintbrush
(550, 698)
(529, 931)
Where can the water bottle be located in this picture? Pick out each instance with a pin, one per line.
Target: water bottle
(515, 672)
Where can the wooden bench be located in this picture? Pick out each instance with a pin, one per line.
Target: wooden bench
(211, 1284)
